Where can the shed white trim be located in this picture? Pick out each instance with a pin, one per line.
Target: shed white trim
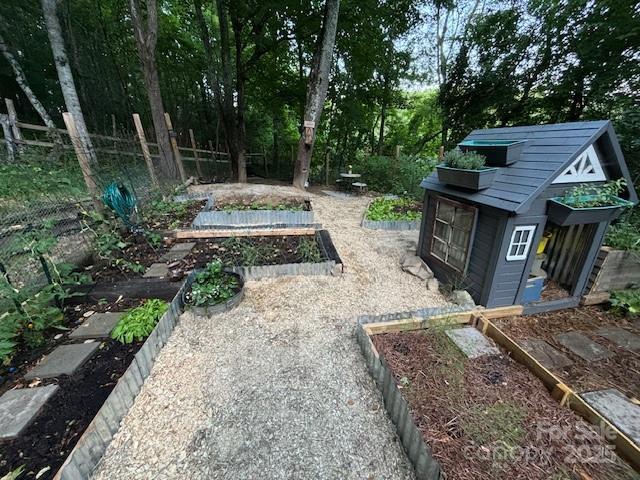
(585, 168)
(520, 243)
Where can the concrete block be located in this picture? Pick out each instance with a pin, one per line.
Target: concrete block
(546, 354)
(621, 337)
(18, 408)
(583, 346)
(157, 270)
(64, 360)
(618, 409)
(471, 342)
(98, 325)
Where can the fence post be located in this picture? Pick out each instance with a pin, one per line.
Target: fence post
(8, 138)
(83, 159)
(214, 154)
(174, 146)
(13, 120)
(145, 149)
(195, 152)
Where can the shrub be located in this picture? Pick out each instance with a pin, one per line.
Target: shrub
(394, 209)
(590, 196)
(625, 301)
(212, 286)
(624, 235)
(138, 323)
(464, 160)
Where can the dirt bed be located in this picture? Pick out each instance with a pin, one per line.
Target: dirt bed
(55, 431)
(490, 418)
(172, 215)
(621, 371)
(275, 203)
(255, 251)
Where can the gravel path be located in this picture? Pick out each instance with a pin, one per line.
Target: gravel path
(277, 388)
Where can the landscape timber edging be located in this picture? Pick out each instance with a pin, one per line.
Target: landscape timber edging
(86, 454)
(426, 467)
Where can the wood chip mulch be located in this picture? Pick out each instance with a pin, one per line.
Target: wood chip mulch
(490, 418)
(622, 371)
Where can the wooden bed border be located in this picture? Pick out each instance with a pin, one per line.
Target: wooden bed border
(560, 391)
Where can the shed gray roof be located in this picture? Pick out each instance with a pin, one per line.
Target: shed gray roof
(548, 151)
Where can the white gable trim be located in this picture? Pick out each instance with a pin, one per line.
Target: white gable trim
(585, 168)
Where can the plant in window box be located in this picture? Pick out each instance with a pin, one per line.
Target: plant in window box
(586, 203)
(214, 290)
(466, 170)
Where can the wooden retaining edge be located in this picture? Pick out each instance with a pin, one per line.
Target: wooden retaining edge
(559, 390)
(419, 453)
(84, 457)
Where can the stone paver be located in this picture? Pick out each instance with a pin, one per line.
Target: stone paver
(18, 408)
(157, 270)
(546, 354)
(618, 409)
(621, 337)
(178, 252)
(64, 360)
(581, 345)
(471, 342)
(98, 325)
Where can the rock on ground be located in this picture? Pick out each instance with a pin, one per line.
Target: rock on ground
(278, 388)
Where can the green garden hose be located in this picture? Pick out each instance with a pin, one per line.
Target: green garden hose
(123, 203)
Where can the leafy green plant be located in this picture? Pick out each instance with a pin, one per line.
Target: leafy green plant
(625, 301)
(591, 196)
(169, 213)
(247, 253)
(138, 323)
(212, 286)
(309, 251)
(394, 209)
(624, 235)
(14, 474)
(464, 160)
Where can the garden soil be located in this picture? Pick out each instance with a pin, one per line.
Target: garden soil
(277, 387)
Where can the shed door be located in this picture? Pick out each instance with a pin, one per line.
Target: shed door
(567, 253)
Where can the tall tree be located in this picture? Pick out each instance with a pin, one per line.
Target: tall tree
(146, 36)
(26, 89)
(65, 77)
(316, 91)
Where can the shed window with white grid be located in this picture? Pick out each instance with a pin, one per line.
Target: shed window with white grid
(520, 244)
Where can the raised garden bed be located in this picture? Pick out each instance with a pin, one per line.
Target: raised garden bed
(214, 290)
(268, 256)
(617, 368)
(162, 215)
(392, 213)
(255, 212)
(487, 418)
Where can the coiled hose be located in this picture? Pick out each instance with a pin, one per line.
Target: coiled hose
(123, 203)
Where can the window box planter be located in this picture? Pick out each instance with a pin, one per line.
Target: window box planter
(209, 310)
(562, 214)
(469, 179)
(499, 153)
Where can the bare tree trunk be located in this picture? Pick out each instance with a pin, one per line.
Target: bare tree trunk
(317, 90)
(146, 38)
(65, 77)
(24, 85)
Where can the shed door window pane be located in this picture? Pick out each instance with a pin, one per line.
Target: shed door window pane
(452, 233)
(521, 239)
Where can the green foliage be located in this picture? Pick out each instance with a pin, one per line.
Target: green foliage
(229, 207)
(394, 209)
(309, 251)
(464, 160)
(138, 323)
(400, 177)
(14, 474)
(163, 212)
(625, 301)
(212, 286)
(590, 196)
(624, 235)
(251, 254)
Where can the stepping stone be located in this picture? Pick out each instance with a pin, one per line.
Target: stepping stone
(583, 346)
(546, 354)
(621, 337)
(618, 409)
(471, 342)
(178, 252)
(98, 325)
(157, 270)
(64, 360)
(18, 408)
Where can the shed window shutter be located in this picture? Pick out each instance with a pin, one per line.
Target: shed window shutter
(585, 168)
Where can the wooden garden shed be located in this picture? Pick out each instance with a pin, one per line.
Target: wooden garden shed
(507, 244)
